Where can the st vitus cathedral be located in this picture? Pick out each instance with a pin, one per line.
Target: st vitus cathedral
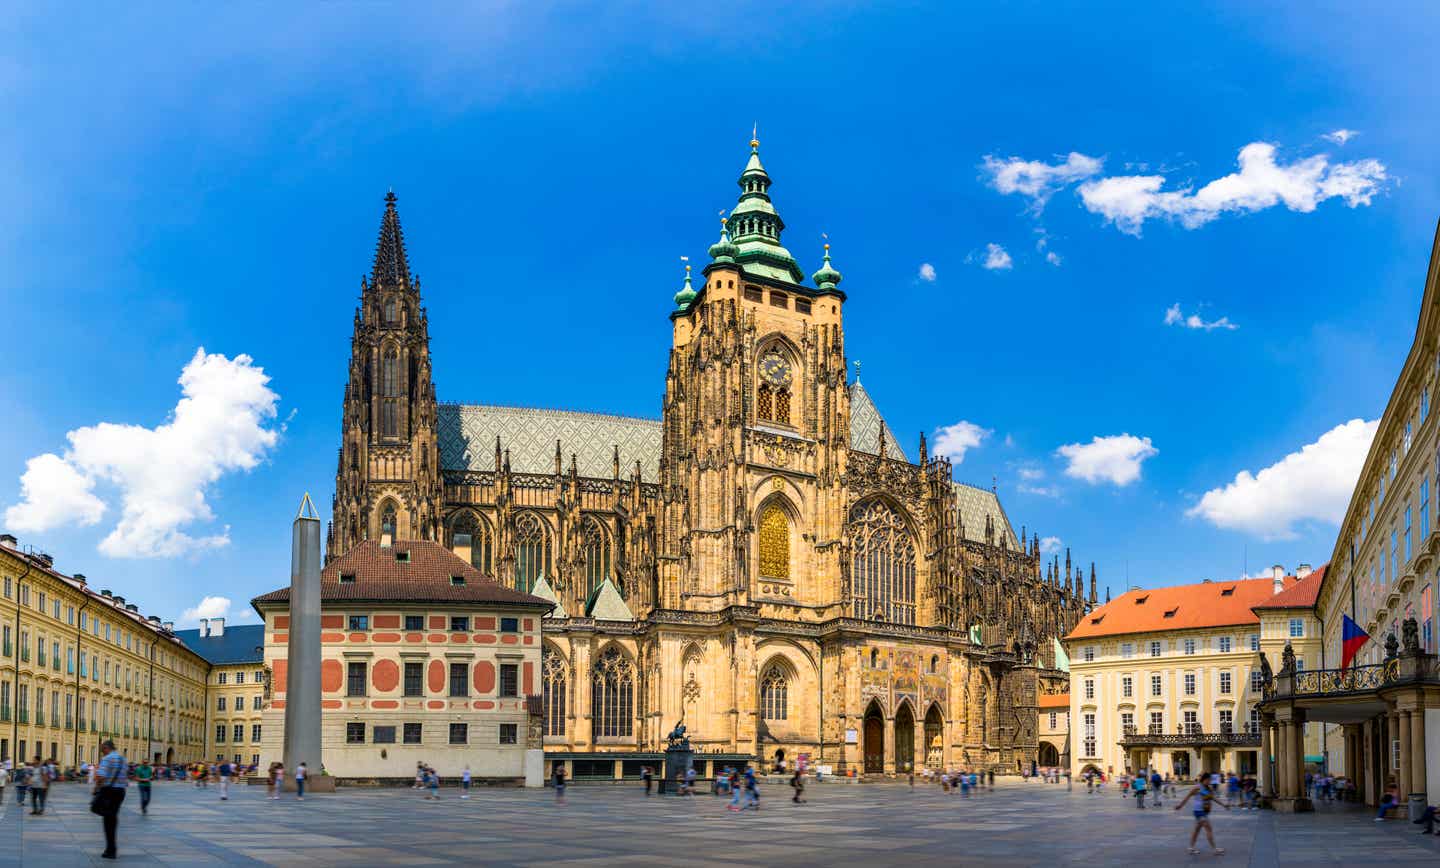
(764, 562)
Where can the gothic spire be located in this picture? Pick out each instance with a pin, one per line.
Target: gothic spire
(391, 265)
(755, 226)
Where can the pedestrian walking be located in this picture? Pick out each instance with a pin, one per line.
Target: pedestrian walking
(22, 783)
(797, 783)
(300, 773)
(752, 789)
(646, 776)
(1156, 784)
(144, 776)
(736, 791)
(1138, 786)
(432, 782)
(1204, 793)
(40, 786)
(465, 783)
(558, 774)
(112, 776)
(226, 771)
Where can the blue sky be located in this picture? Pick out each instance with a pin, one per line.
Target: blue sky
(188, 178)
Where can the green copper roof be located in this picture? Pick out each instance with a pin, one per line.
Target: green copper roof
(826, 277)
(724, 250)
(686, 293)
(756, 226)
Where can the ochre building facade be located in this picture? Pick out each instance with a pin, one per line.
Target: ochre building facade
(765, 561)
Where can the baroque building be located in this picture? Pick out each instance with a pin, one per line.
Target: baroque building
(765, 561)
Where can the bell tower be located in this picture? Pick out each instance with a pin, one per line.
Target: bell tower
(388, 483)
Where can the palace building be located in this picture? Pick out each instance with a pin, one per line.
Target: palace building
(237, 687)
(765, 561)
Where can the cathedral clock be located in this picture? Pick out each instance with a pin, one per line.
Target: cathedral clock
(776, 370)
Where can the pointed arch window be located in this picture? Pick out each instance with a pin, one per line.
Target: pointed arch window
(882, 566)
(390, 317)
(612, 696)
(482, 541)
(387, 520)
(532, 550)
(774, 542)
(776, 374)
(774, 694)
(556, 682)
(390, 373)
(595, 550)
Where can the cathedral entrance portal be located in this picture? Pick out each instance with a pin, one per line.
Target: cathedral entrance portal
(874, 740)
(904, 740)
(934, 738)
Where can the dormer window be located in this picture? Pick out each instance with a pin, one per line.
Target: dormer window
(457, 581)
(1140, 601)
(1170, 613)
(402, 557)
(347, 578)
(1228, 592)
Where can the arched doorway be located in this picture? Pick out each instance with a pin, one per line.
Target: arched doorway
(874, 746)
(779, 759)
(1048, 755)
(934, 737)
(904, 739)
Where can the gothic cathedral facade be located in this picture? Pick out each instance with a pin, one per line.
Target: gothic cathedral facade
(764, 562)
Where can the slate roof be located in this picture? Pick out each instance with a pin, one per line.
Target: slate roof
(1206, 604)
(467, 435)
(238, 644)
(975, 504)
(382, 576)
(866, 424)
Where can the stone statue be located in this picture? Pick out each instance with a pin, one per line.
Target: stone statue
(1287, 660)
(1265, 670)
(1392, 646)
(1410, 636)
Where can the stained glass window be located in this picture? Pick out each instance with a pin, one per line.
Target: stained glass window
(882, 566)
(773, 695)
(532, 550)
(612, 696)
(556, 682)
(595, 548)
(774, 542)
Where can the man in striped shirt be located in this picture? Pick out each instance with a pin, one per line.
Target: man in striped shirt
(111, 778)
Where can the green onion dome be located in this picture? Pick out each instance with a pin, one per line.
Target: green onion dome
(686, 293)
(826, 277)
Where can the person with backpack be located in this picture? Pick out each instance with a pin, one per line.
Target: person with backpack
(144, 776)
(112, 776)
(558, 774)
(1138, 787)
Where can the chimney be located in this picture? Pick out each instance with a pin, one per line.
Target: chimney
(217, 627)
(105, 592)
(79, 577)
(154, 619)
(462, 547)
(204, 627)
(119, 601)
(45, 559)
(132, 608)
(167, 626)
(1278, 573)
(8, 541)
(1302, 571)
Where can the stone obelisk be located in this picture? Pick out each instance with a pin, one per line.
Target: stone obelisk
(302, 677)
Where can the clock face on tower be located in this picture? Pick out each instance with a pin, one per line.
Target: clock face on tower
(775, 369)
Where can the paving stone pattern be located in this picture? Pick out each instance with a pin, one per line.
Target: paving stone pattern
(873, 824)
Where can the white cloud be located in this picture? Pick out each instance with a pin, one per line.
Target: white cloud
(1340, 137)
(1038, 490)
(953, 441)
(1129, 200)
(214, 607)
(1173, 316)
(996, 259)
(161, 473)
(1053, 258)
(1039, 181)
(927, 272)
(1115, 459)
(1313, 484)
(1030, 474)
(1050, 545)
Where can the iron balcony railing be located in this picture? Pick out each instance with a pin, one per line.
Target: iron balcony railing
(1356, 679)
(1191, 734)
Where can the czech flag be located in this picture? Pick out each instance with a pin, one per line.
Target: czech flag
(1352, 639)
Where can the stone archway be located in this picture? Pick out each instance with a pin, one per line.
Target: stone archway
(934, 737)
(874, 744)
(904, 739)
(1048, 755)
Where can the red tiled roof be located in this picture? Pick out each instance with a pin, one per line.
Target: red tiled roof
(1179, 607)
(1054, 700)
(1301, 595)
(410, 571)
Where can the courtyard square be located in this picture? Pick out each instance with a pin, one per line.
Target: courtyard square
(870, 824)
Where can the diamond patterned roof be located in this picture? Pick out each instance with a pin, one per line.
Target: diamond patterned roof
(976, 503)
(865, 425)
(467, 435)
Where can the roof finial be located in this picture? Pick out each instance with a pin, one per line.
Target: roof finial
(856, 363)
(755, 137)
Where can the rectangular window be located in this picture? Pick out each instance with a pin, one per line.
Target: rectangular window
(239, 677)
(411, 733)
(1127, 686)
(1424, 506)
(1089, 688)
(1224, 644)
(1157, 722)
(459, 680)
(509, 625)
(1089, 733)
(1424, 404)
(1053, 719)
(1254, 641)
(459, 624)
(255, 732)
(1224, 682)
(1127, 650)
(355, 678)
(219, 703)
(1154, 649)
(1297, 628)
(219, 733)
(1089, 653)
(1227, 720)
(359, 622)
(239, 733)
(414, 622)
(354, 732)
(1394, 556)
(1189, 646)
(509, 679)
(509, 733)
(1407, 534)
(221, 678)
(459, 733)
(382, 735)
(1154, 685)
(1427, 618)
(1257, 681)
(414, 678)
(1127, 723)
(255, 702)
(1189, 684)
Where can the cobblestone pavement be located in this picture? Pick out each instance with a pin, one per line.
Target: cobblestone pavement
(871, 824)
